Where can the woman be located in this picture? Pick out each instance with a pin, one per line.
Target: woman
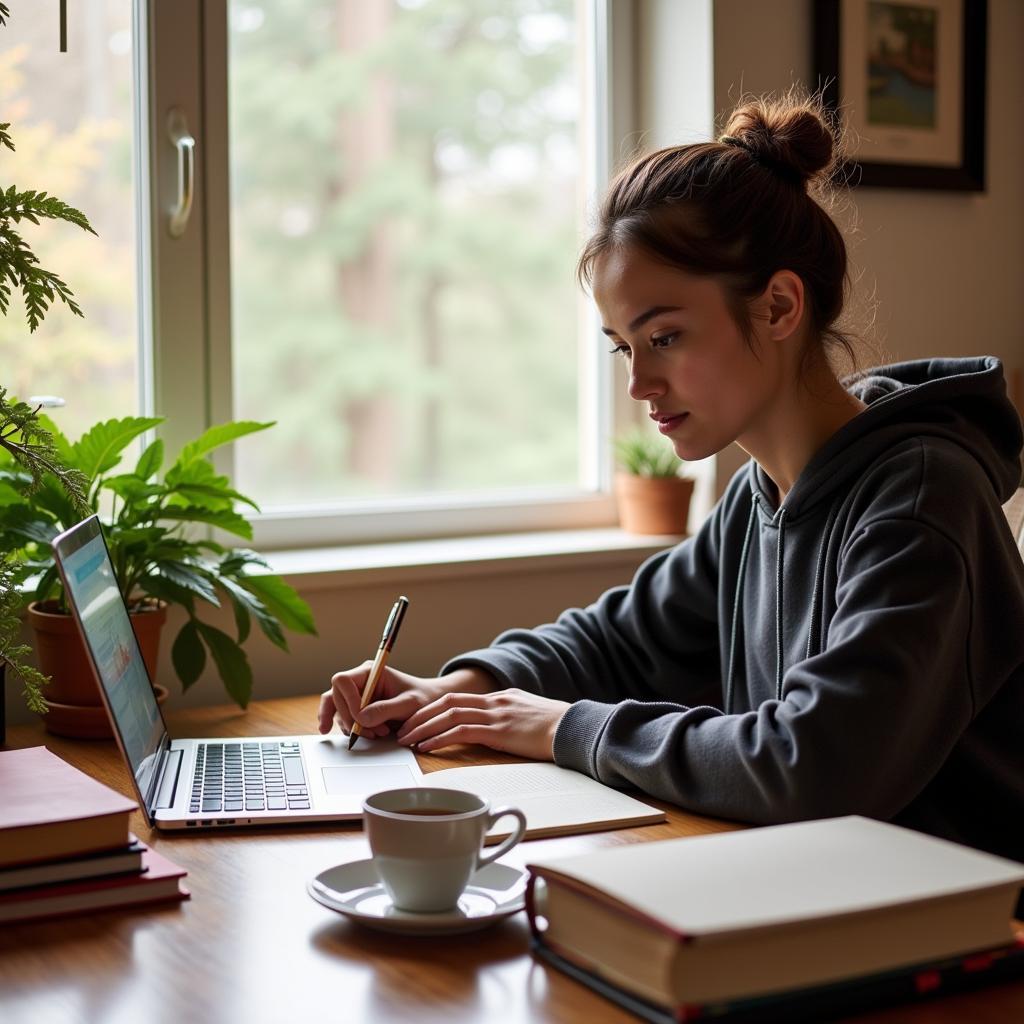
(845, 633)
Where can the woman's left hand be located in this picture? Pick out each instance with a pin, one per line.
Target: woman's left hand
(514, 721)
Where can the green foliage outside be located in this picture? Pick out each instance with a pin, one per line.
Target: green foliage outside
(389, 278)
(153, 553)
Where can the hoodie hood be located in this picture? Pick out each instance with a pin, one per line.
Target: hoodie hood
(961, 400)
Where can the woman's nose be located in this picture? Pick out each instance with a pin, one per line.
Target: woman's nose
(644, 385)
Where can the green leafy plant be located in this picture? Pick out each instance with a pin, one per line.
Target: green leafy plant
(642, 454)
(155, 528)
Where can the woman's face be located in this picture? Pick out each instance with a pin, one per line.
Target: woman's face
(687, 360)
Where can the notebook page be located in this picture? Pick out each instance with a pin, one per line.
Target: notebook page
(555, 800)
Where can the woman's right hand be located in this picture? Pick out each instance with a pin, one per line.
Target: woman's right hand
(397, 696)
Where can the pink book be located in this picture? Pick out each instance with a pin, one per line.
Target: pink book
(48, 809)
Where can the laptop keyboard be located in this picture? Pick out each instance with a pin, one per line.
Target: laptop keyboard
(261, 776)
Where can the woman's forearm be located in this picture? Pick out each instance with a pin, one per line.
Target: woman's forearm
(471, 680)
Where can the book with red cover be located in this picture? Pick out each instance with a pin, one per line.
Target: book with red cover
(50, 810)
(160, 880)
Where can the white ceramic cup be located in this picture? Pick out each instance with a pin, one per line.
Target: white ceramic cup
(426, 843)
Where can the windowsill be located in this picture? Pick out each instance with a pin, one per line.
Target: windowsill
(451, 557)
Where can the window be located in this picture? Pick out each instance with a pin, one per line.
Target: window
(388, 201)
(72, 116)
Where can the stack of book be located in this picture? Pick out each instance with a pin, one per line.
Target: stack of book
(787, 923)
(65, 844)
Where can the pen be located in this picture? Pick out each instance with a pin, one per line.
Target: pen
(387, 641)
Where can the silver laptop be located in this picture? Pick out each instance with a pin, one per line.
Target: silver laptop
(205, 783)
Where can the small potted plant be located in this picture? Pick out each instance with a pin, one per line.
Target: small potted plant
(651, 496)
(155, 525)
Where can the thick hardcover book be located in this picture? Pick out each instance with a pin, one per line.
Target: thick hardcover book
(159, 881)
(747, 915)
(48, 809)
(823, 1002)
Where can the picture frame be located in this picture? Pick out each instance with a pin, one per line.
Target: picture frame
(907, 78)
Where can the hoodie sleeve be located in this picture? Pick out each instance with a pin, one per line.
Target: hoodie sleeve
(861, 727)
(654, 638)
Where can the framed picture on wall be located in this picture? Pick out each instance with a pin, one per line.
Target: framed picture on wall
(908, 79)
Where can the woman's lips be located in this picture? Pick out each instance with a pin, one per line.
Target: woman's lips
(669, 423)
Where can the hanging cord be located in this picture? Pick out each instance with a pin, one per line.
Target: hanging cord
(736, 601)
(779, 562)
(819, 583)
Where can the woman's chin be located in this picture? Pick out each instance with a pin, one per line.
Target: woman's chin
(689, 451)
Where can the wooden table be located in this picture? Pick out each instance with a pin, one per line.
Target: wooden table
(252, 946)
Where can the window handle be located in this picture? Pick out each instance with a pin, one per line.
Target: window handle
(181, 139)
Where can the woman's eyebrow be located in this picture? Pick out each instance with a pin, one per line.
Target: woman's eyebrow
(639, 321)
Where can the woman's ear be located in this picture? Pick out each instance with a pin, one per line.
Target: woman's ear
(783, 302)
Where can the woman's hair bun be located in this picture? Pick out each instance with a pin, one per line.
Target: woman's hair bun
(792, 136)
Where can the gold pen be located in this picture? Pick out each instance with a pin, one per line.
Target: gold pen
(387, 641)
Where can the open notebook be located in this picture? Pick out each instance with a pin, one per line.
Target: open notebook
(556, 801)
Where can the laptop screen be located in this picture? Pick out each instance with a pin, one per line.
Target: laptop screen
(96, 602)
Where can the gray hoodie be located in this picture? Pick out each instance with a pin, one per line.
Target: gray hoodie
(859, 650)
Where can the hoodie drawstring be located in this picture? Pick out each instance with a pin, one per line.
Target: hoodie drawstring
(819, 582)
(779, 563)
(736, 601)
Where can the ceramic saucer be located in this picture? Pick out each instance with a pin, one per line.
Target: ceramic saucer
(355, 890)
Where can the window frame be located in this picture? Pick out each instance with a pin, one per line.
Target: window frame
(184, 66)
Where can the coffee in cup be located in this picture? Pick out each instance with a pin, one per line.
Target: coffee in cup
(427, 843)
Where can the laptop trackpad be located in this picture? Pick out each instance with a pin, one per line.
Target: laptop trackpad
(362, 780)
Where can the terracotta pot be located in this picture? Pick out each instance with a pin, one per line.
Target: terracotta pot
(653, 504)
(73, 693)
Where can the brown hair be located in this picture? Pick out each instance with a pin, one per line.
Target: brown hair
(740, 209)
